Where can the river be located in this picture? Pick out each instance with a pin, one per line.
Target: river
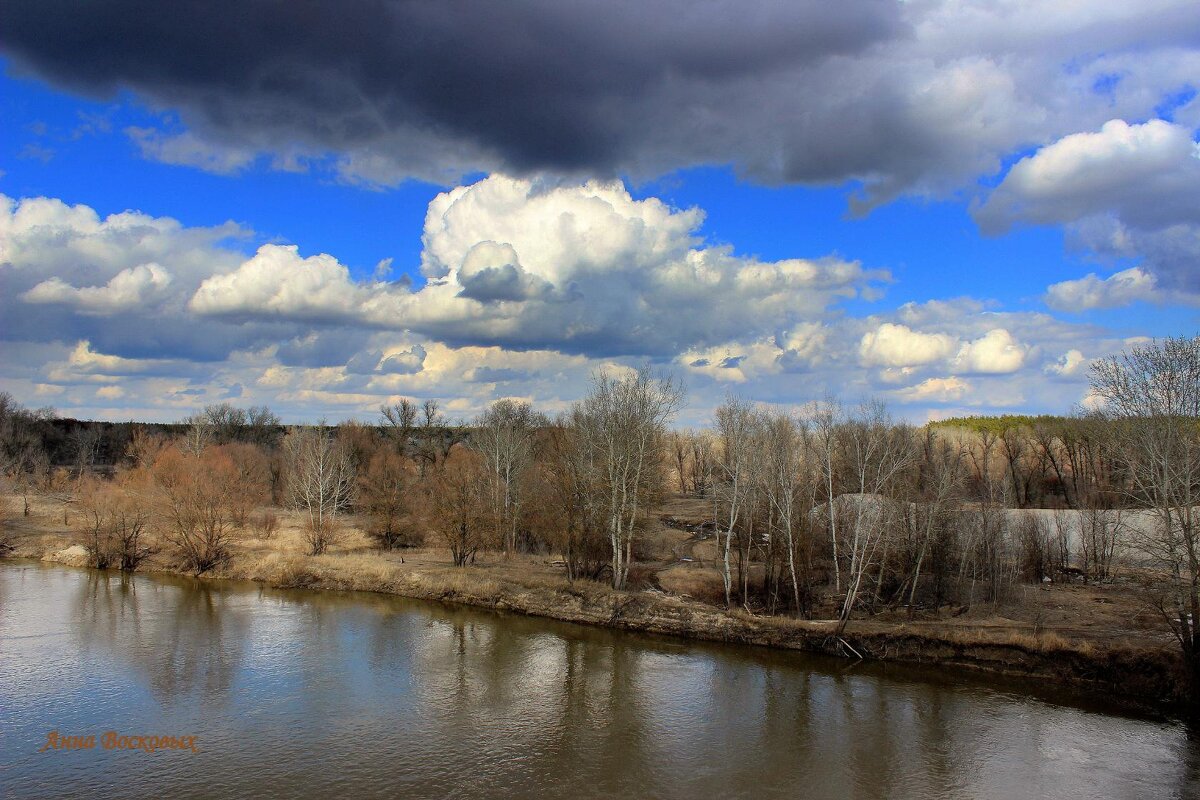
(324, 695)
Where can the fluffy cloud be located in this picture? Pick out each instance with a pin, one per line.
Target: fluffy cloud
(128, 289)
(1170, 253)
(1072, 363)
(900, 350)
(1091, 291)
(996, 352)
(582, 268)
(529, 287)
(904, 97)
(1148, 174)
(491, 272)
(279, 282)
(1125, 191)
(120, 282)
(937, 390)
(399, 362)
(734, 363)
(892, 345)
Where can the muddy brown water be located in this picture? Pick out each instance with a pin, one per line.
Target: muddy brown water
(323, 695)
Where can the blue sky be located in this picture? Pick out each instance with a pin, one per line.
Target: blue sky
(956, 224)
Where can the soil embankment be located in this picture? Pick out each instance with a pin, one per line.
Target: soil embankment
(1069, 635)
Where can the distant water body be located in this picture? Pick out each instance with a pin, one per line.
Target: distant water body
(323, 695)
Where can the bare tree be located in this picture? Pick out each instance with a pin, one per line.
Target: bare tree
(938, 493)
(1036, 546)
(23, 459)
(1061, 541)
(790, 489)
(320, 481)
(384, 489)
(826, 420)
(399, 420)
(432, 443)
(567, 502)
(681, 450)
(504, 436)
(198, 434)
(701, 462)
(85, 441)
(622, 424)
(1015, 446)
(1152, 394)
(262, 427)
(737, 428)
(1100, 532)
(877, 451)
(226, 421)
(457, 503)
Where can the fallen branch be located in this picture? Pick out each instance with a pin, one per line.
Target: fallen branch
(851, 649)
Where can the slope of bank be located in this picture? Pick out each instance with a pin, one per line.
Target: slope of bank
(1142, 676)
(1097, 641)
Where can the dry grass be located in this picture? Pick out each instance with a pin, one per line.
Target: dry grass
(1045, 641)
(688, 581)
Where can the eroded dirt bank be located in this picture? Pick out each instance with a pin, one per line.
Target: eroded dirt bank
(1098, 640)
(1143, 676)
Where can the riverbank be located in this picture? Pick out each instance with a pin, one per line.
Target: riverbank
(1051, 644)
(297, 693)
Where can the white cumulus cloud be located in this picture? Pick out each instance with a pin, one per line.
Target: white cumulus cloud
(1091, 291)
(578, 267)
(996, 352)
(279, 282)
(126, 290)
(1124, 191)
(893, 345)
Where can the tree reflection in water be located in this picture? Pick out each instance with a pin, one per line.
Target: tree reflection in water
(187, 644)
(296, 694)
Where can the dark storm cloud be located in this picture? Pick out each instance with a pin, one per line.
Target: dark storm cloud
(917, 97)
(523, 86)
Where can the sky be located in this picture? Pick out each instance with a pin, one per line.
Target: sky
(950, 206)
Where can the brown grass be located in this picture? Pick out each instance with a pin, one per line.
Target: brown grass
(693, 582)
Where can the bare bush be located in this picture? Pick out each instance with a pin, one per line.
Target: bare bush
(194, 494)
(116, 528)
(321, 534)
(253, 478)
(265, 525)
(1036, 547)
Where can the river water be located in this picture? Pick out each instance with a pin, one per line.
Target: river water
(304, 694)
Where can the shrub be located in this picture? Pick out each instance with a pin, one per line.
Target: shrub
(265, 525)
(320, 535)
